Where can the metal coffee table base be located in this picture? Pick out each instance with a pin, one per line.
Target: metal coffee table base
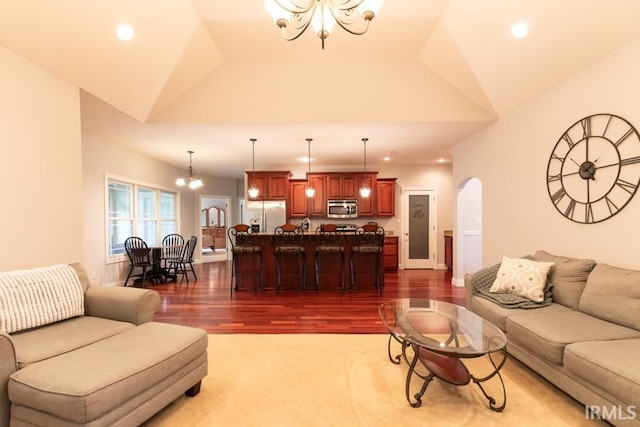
(447, 368)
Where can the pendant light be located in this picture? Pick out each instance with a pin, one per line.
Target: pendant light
(309, 191)
(364, 190)
(253, 190)
(193, 183)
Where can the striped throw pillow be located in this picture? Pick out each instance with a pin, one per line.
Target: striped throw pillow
(39, 296)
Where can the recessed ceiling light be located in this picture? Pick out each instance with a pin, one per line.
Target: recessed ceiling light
(520, 30)
(441, 160)
(125, 32)
(386, 158)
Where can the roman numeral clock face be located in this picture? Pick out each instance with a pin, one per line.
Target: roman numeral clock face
(594, 169)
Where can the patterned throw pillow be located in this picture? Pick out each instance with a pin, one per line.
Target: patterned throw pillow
(522, 277)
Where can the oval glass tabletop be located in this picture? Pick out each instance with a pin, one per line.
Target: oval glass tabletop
(441, 327)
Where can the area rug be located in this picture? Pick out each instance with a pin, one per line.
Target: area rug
(348, 380)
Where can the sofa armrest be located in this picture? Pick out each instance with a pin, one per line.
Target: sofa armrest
(8, 365)
(131, 305)
(469, 287)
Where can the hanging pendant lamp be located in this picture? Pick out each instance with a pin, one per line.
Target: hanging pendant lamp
(309, 191)
(365, 191)
(253, 190)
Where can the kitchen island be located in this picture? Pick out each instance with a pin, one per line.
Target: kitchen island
(329, 264)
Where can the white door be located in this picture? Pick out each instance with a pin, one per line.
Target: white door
(419, 226)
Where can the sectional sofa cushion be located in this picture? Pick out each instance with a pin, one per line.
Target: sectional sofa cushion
(497, 314)
(613, 294)
(611, 365)
(548, 334)
(90, 385)
(522, 277)
(36, 345)
(39, 296)
(567, 277)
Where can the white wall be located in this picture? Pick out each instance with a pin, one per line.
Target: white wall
(41, 176)
(100, 158)
(510, 158)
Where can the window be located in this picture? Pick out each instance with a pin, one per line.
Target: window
(138, 210)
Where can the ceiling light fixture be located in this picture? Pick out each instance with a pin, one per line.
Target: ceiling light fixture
(125, 32)
(253, 190)
(193, 183)
(365, 191)
(520, 30)
(309, 191)
(294, 16)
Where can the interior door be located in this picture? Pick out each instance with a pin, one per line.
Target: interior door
(419, 224)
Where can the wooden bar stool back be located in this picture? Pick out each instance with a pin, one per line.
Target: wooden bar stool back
(368, 242)
(288, 244)
(243, 245)
(330, 249)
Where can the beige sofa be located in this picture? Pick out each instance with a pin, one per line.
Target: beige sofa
(73, 354)
(584, 338)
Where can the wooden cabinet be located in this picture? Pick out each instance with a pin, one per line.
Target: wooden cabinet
(448, 249)
(272, 185)
(297, 205)
(386, 196)
(301, 206)
(390, 253)
(367, 205)
(341, 186)
(318, 203)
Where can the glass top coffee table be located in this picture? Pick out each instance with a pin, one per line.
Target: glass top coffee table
(440, 335)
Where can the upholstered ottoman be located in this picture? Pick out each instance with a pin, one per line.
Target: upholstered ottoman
(119, 381)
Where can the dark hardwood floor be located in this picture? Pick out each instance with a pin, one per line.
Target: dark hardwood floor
(208, 305)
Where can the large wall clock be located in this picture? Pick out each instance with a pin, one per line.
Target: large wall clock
(594, 169)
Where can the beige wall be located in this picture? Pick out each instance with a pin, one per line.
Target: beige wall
(510, 159)
(40, 177)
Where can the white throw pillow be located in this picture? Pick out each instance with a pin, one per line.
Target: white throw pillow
(522, 277)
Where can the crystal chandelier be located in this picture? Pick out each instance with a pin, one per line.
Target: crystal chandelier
(193, 183)
(253, 190)
(294, 16)
(365, 191)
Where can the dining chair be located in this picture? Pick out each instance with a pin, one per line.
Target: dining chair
(243, 244)
(139, 256)
(172, 245)
(368, 242)
(330, 248)
(184, 263)
(288, 243)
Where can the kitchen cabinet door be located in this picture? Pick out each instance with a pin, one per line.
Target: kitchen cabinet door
(386, 196)
(318, 203)
(390, 253)
(367, 205)
(297, 203)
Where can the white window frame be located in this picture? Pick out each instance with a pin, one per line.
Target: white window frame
(136, 184)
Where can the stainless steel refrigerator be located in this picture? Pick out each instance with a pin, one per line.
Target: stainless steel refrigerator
(265, 216)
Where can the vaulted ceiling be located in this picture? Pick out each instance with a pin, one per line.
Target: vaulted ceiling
(207, 75)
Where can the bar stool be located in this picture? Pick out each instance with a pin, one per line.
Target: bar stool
(242, 244)
(288, 243)
(330, 246)
(368, 241)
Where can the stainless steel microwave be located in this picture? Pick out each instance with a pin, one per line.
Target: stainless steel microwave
(342, 209)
